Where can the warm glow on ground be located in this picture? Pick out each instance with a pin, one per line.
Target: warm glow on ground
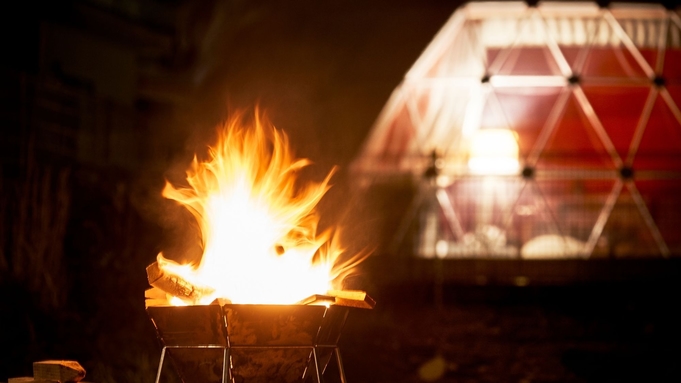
(259, 226)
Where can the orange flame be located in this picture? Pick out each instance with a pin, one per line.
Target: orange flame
(259, 227)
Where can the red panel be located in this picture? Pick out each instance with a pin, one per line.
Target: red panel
(664, 204)
(526, 111)
(494, 114)
(619, 110)
(611, 61)
(661, 142)
(478, 201)
(650, 54)
(523, 61)
(574, 143)
(674, 90)
(672, 65)
(576, 203)
(626, 234)
(571, 52)
(533, 216)
(492, 54)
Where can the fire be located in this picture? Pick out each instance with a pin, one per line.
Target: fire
(258, 224)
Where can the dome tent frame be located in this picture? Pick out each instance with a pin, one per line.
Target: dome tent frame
(548, 73)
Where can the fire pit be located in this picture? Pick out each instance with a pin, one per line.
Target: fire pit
(223, 342)
(250, 343)
(263, 304)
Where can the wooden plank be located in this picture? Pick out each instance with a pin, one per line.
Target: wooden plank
(318, 300)
(353, 298)
(59, 370)
(30, 379)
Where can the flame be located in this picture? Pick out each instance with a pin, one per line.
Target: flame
(258, 225)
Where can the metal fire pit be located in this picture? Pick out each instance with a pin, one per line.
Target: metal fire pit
(241, 343)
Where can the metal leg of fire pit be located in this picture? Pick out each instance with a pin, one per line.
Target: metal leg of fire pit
(225, 359)
(339, 362)
(341, 371)
(316, 365)
(226, 365)
(226, 370)
(160, 365)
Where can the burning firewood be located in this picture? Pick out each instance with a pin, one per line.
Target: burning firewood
(30, 379)
(353, 298)
(349, 298)
(58, 370)
(174, 284)
(155, 293)
(155, 297)
(318, 300)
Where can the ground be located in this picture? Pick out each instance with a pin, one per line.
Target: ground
(589, 333)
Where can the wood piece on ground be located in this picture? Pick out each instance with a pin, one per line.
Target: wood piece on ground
(60, 370)
(353, 298)
(29, 379)
(174, 284)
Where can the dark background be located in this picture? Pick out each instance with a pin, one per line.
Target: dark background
(101, 101)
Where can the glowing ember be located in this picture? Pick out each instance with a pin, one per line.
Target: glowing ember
(259, 227)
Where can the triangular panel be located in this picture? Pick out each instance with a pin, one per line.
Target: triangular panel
(481, 207)
(534, 225)
(608, 56)
(529, 54)
(576, 203)
(574, 36)
(438, 111)
(464, 55)
(661, 141)
(674, 90)
(494, 114)
(626, 233)
(644, 34)
(483, 200)
(574, 143)
(498, 35)
(619, 119)
(672, 56)
(526, 111)
(664, 205)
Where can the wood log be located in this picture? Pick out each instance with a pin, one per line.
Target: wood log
(353, 298)
(175, 285)
(60, 370)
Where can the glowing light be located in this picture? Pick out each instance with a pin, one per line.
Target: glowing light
(494, 152)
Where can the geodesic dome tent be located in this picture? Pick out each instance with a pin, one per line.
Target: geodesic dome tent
(551, 131)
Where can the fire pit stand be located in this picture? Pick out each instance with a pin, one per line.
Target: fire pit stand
(221, 343)
(226, 372)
